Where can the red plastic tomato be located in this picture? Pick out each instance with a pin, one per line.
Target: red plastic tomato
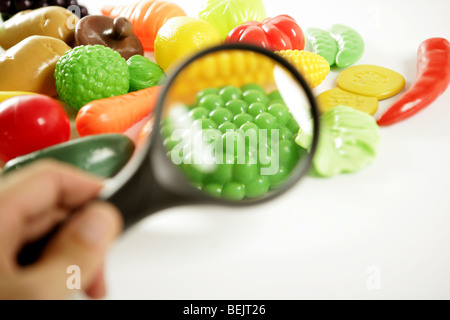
(31, 123)
(276, 34)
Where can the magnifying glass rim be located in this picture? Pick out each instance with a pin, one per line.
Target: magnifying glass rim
(128, 171)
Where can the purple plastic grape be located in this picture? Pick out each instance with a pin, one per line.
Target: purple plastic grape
(6, 16)
(41, 3)
(84, 11)
(6, 6)
(61, 3)
(23, 4)
(11, 7)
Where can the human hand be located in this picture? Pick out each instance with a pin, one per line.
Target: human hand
(32, 202)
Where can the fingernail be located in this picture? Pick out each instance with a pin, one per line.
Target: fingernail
(93, 227)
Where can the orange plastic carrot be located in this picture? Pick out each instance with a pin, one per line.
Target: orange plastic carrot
(146, 16)
(116, 114)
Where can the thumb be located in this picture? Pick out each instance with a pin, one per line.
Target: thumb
(74, 258)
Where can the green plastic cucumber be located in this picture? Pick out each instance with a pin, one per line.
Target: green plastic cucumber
(323, 44)
(103, 155)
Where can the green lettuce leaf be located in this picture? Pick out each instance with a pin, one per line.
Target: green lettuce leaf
(348, 142)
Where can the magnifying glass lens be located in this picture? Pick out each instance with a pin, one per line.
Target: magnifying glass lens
(229, 121)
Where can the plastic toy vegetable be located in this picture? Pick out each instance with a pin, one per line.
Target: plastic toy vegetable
(337, 97)
(116, 34)
(30, 65)
(103, 155)
(9, 8)
(116, 114)
(350, 43)
(348, 142)
(311, 66)
(248, 67)
(279, 33)
(372, 81)
(254, 111)
(89, 73)
(49, 21)
(146, 16)
(225, 15)
(181, 37)
(5, 95)
(323, 44)
(433, 78)
(144, 73)
(30, 123)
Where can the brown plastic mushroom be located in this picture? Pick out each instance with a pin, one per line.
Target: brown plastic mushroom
(114, 33)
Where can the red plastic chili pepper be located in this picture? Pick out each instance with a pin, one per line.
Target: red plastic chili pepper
(276, 34)
(433, 78)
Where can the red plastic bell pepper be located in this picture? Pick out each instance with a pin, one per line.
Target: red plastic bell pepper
(433, 78)
(276, 34)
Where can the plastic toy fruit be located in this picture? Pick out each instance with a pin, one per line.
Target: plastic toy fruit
(323, 44)
(337, 97)
(30, 65)
(89, 73)
(225, 15)
(253, 124)
(30, 123)
(5, 95)
(116, 34)
(146, 16)
(372, 81)
(103, 155)
(116, 114)
(214, 72)
(350, 44)
(144, 73)
(311, 66)
(181, 37)
(276, 34)
(48, 21)
(348, 142)
(433, 78)
(9, 8)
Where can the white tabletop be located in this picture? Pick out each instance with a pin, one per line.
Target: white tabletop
(380, 233)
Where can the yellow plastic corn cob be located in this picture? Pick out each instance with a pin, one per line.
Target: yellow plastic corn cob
(5, 95)
(311, 66)
(226, 68)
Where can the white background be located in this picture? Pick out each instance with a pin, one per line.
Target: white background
(321, 238)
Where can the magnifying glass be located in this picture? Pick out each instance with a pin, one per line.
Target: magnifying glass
(224, 133)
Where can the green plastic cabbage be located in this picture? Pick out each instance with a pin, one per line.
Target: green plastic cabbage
(226, 15)
(348, 141)
(144, 73)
